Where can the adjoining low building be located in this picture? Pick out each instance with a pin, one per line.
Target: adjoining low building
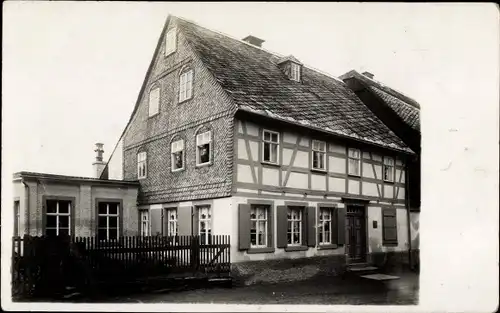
(227, 138)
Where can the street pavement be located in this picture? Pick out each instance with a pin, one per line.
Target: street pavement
(317, 290)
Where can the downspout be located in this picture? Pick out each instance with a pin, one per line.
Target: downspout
(27, 206)
(407, 174)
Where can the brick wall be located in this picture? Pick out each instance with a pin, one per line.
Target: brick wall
(209, 106)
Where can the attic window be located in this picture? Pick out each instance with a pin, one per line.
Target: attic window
(170, 42)
(294, 72)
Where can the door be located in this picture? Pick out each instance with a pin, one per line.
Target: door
(355, 233)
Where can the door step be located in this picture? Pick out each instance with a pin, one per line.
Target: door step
(380, 277)
(362, 269)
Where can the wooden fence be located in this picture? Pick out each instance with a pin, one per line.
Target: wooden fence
(45, 263)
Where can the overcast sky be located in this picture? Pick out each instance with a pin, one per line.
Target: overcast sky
(72, 71)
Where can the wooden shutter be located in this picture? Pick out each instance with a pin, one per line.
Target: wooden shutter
(335, 225)
(282, 226)
(243, 226)
(389, 226)
(184, 220)
(311, 226)
(341, 226)
(270, 227)
(305, 226)
(156, 221)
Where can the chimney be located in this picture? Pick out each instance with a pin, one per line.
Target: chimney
(253, 40)
(368, 74)
(98, 164)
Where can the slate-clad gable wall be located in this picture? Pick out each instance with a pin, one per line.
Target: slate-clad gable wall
(209, 106)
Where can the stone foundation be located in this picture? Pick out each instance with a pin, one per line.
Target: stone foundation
(286, 270)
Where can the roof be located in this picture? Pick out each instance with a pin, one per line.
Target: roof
(251, 77)
(405, 107)
(58, 177)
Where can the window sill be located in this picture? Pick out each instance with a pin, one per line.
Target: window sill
(204, 165)
(270, 164)
(260, 250)
(318, 170)
(178, 170)
(296, 248)
(388, 182)
(185, 100)
(327, 246)
(354, 175)
(390, 244)
(154, 115)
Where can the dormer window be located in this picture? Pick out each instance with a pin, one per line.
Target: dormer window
(295, 72)
(291, 67)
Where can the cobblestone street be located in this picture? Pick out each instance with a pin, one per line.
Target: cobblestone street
(319, 290)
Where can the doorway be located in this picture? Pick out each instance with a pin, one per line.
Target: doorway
(355, 234)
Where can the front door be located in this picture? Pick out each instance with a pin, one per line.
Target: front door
(355, 233)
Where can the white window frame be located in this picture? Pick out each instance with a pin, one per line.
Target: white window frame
(387, 164)
(108, 216)
(201, 140)
(256, 209)
(176, 147)
(186, 85)
(316, 150)
(172, 224)
(170, 42)
(295, 71)
(57, 214)
(142, 165)
(322, 221)
(154, 101)
(145, 223)
(271, 143)
(205, 237)
(351, 157)
(290, 223)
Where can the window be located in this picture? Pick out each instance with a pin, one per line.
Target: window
(354, 162)
(318, 155)
(58, 222)
(258, 226)
(17, 218)
(107, 220)
(178, 155)
(154, 101)
(270, 144)
(204, 224)
(145, 226)
(170, 41)
(325, 226)
(141, 165)
(390, 226)
(388, 169)
(172, 222)
(294, 234)
(203, 148)
(186, 85)
(295, 71)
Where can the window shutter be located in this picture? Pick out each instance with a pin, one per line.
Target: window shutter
(156, 221)
(341, 226)
(270, 227)
(311, 228)
(305, 226)
(243, 226)
(184, 220)
(335, 225)
(389, 222)
(282, 226)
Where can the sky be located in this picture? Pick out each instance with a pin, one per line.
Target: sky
(72, 71)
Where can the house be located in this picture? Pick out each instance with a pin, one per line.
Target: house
(402, 115)
(227, 138)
